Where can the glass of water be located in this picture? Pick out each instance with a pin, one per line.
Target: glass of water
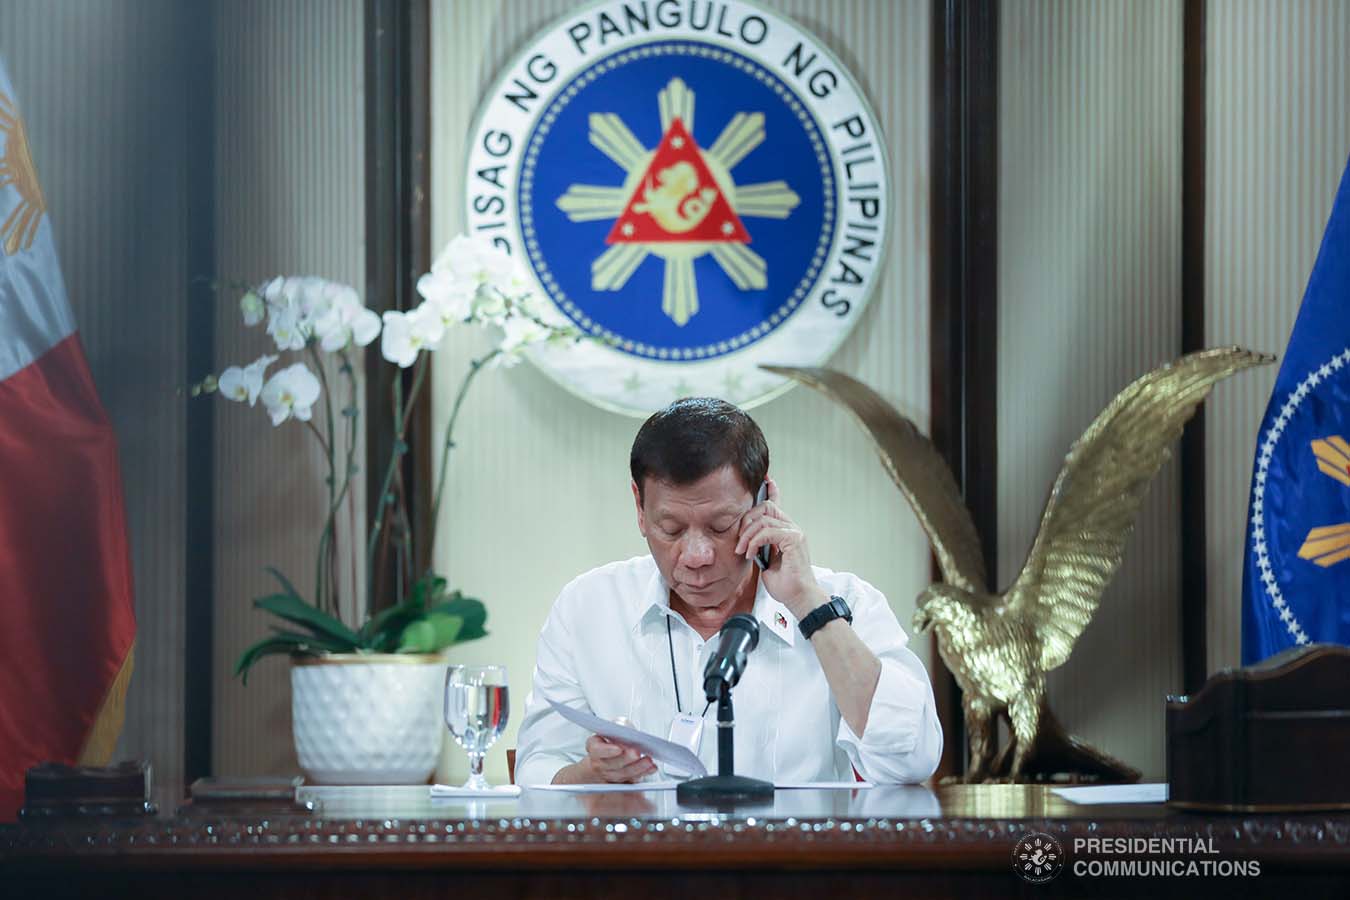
(476, 708)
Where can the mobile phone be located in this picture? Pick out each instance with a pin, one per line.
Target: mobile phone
(764, 554)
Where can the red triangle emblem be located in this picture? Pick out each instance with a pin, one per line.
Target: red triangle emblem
(677, 200)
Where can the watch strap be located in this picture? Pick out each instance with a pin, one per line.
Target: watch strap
(822, 615)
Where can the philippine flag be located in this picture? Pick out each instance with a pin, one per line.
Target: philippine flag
(67, 623)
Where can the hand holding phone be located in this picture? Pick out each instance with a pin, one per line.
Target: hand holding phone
(764, 555)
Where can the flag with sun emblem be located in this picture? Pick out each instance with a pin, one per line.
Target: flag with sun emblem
(1296, 588)
(66, 619)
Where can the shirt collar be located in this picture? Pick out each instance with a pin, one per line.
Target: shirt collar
(773, 616)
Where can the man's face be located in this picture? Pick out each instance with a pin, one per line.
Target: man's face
(692, 532)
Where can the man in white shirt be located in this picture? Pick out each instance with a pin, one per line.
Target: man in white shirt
(821, 696)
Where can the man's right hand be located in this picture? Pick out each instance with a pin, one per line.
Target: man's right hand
(606, 762)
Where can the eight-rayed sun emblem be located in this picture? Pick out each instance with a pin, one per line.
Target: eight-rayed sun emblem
(16, 168)
(1330, 544)
(678, 202)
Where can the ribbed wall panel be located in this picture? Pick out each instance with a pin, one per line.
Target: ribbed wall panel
(539, 488)
(1278, 126)
(1089, 292)
(290, 195)
(97, 83)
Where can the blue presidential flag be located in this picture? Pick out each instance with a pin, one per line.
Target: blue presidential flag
(1296, 584)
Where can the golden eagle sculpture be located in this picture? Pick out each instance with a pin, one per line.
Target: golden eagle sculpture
(999, 647)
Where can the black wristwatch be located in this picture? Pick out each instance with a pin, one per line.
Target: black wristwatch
(817, 618)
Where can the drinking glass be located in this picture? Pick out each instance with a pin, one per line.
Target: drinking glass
(476, 708)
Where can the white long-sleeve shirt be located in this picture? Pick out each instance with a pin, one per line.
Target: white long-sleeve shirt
(604, 648)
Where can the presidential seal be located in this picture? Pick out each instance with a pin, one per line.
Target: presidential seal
(700, 186)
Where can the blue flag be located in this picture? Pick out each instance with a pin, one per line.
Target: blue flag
(1296, 581)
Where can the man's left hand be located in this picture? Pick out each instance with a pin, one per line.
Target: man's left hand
(788, 578)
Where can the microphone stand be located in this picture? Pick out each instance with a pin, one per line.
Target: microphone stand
(724, 787)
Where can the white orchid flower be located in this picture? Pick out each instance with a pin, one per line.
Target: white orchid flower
(271, 291)
(407, 334)
(232, 386)
(346, 322)
(451, 297)
(489, 305)
(291, 393)
(479, 262)
(245, 384)
(253, 308)
(518, 333)
(284, 326)
(313, 298)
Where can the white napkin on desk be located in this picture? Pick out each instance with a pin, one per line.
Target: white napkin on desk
(501, 791)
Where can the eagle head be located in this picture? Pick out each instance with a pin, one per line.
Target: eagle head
(942, 606)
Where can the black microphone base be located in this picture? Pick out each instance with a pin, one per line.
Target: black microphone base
(724, 789)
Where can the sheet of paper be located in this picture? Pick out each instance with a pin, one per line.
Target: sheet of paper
(607, 788)
(501, 791)
(672, 785)
(657, 748)
(1095, 794)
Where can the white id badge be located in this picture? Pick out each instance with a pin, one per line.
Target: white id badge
(687, 731)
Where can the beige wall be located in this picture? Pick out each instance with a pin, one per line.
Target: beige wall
(101, 89)
(539, 486)
(290, 199)
(1279, 132)
(1090, 294)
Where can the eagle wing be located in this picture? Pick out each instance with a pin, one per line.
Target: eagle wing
(1095, 499)
(915, 466)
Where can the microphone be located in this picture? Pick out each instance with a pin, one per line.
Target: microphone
(740, 635)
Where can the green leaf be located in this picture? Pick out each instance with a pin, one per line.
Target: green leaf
(428, 590)
(431, 634)
(417, 637)
(313, 640)
(288, 644)
(285, 584)
(471, 610)
(381, 631)
(293, 609)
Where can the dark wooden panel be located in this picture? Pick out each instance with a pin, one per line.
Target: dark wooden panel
(398, 238)
(199, 60)
(1194, 587)
(964, 286)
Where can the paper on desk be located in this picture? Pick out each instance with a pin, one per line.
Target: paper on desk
(659, 749)
(672, 785)
(501, 791)
(607, 788)
(1096, 794)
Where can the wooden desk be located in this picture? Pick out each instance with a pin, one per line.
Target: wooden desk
(889, 842)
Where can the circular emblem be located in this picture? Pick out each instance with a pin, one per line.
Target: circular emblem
(1298, 534)
(1037, 857)
(700, 188)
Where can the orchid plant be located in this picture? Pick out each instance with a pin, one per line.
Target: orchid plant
(324, 324)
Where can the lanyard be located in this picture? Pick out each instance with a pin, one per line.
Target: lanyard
(674, 679)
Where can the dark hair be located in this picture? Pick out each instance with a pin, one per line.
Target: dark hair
(694, 437)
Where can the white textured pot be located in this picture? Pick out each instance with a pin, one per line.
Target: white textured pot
(368, 718)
